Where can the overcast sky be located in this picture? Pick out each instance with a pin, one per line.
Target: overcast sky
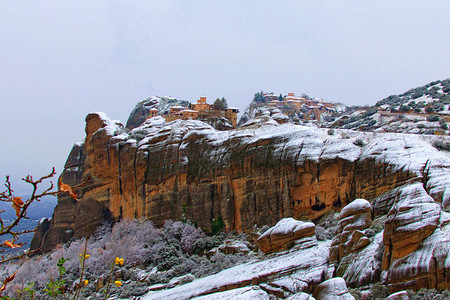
(60, 60)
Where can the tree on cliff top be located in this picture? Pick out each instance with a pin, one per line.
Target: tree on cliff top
(220, 104)
(259, 97)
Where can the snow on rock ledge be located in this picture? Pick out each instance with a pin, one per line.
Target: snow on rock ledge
(413, 217)
(333, 289)
(417, 242)
(353, 219)
(306, 267)
(284, 234)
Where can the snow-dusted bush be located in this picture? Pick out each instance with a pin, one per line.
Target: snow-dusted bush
(172, 251)
(136, 240)
(183, 234)
(432, 294)
(441, 144)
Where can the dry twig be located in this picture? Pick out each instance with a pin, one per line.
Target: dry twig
(21, 209)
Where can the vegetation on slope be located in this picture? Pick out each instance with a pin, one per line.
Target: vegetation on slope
(151, 256)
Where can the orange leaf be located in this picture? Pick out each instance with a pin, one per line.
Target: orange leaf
(5, 282)
(17, 205)
(11, 244)
(67, 189)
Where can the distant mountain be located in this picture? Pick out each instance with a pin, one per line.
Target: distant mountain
(422, 110)
(36, 211)
(24, 224)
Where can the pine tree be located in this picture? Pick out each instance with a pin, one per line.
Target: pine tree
(224, 102)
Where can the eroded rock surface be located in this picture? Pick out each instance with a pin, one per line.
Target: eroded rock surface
(333, 289)
(280, 275)
(353, 220)
(254, 175)
(261, 174)
(352, 252)
(284, 235)
(416, 240)
(413, 218)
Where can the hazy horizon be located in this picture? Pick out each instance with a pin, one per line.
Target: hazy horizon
(62, 60)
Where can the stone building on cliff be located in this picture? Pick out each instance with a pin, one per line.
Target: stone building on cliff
(309, 109)
(199, 111)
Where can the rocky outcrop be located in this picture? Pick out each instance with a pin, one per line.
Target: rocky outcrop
(333, 289)
(141, 111)
(412, 250)
(417, 242)
(41, 229)
(280, 275)
(353, 220)
(284, 235)
(65, 215)
(234, 247)
(254, 175)
(357, 264)
(411, 220)
(139, 114)
(410, 253)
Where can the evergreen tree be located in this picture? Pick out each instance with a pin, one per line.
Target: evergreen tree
(224, 102)
(259, 97)
(218, 104)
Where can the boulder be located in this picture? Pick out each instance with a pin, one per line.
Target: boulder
(413, 218)
(416, 242)
(364, 266)
(402, 295)
(301, 296)
(234, 247)
(291, 284)
(284, 234)
(332, 289)
(353, 220)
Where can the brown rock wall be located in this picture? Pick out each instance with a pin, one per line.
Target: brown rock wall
(180, 171)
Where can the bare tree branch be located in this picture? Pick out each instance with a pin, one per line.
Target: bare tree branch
(21, 209)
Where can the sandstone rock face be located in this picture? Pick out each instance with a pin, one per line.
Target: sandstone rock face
(363, 267)
(284, 234)
(140, 112)
(350, 252)
(353, 219)
(417, 242)
(413, 218)
(62, 224)
(333, 289)
(42, 228)
(255, 175)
